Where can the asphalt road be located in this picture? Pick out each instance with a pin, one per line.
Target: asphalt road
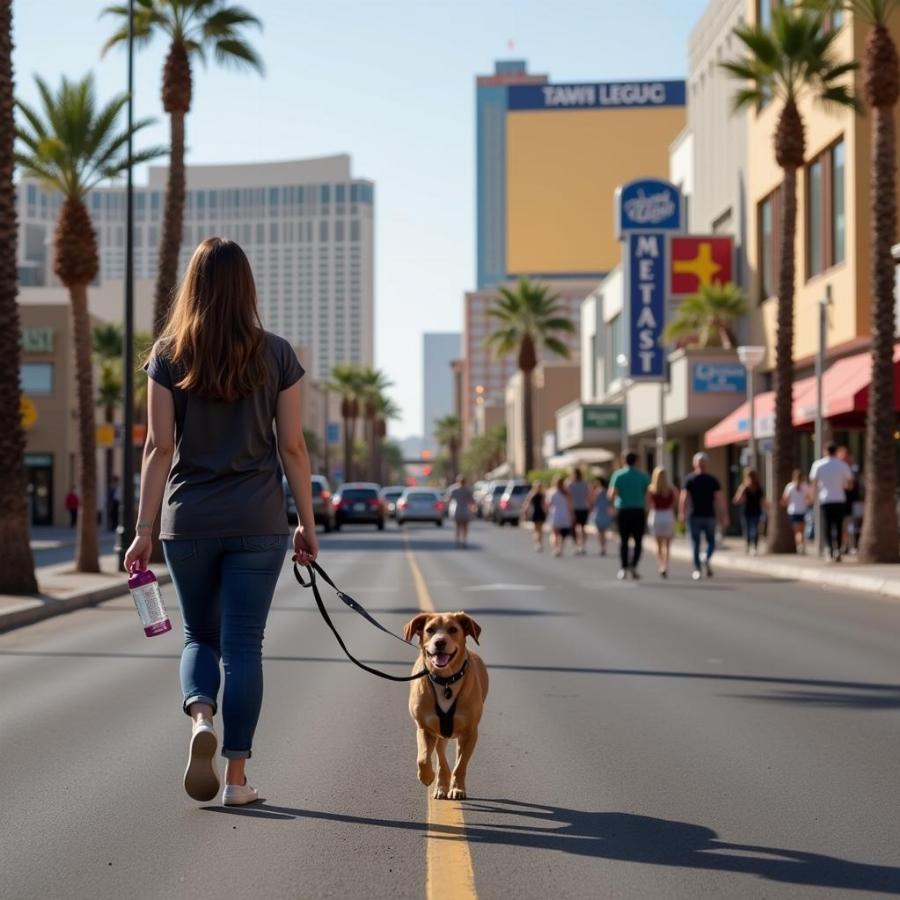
(733, 738)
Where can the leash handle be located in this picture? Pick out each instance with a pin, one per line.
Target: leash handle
(356, 607)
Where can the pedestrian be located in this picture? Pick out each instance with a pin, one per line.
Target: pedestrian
(72, 501)
(113, 502)
(601, 507)
(534, 510)
(752, 498)
(462, 508)
(628, 491)
(580, 492)
(704, 493)
(796, 499)
(662, 498)
(562, 514)
(830, 477)
(217, 383)
(854, 509)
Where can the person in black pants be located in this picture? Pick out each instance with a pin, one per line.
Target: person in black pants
(628, 489)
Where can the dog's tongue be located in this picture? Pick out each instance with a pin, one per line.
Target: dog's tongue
(441, 660)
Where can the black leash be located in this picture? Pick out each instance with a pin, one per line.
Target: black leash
(356, 607)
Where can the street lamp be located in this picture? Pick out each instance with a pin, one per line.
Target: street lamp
(479, 409)
(622, 363)
(751, 357)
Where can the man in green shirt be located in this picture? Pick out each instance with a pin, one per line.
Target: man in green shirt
(628, 491)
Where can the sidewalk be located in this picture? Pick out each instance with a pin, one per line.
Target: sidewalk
(61, 590)
(881, 579)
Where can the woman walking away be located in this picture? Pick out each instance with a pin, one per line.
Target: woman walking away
(602, 511)
(662, 497)
(534, 509)
(562, 514)
(217, 382)
(796, 499)
(462, 504)
(750, 494)
(580, 492)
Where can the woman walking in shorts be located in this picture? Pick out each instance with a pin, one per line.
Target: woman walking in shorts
(580, 492)
(534, 509)
(462, 508)
(602, 511)
(662, 498)
(217, 384)
(796, 499)
(562, 514)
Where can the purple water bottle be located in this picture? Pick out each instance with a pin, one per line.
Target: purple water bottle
(148, 599)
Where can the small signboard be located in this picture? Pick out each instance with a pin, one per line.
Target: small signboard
(28, 412)
(699, 260)
(719, 378)
(645, 295)
(588, 425)
(648, 204)
(332, 433)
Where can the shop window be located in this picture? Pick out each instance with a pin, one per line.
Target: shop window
(825, 211)
(767, 225)
(37, 378)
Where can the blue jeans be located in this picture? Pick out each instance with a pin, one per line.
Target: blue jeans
(225, 588)
(751, 528)
(702, 525)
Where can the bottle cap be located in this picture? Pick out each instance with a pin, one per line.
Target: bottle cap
(140, 578)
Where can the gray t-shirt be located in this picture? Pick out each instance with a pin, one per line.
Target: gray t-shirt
(226, 479)
(579, 491)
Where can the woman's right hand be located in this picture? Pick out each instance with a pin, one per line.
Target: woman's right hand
(306, 546)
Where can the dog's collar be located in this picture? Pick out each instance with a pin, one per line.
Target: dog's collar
(446, 680)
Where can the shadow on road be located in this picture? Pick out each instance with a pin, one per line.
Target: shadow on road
(618, 836)
(387, 543)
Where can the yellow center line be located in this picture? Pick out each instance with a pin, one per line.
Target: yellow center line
(449, 873)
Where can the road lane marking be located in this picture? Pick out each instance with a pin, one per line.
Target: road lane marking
(449, 874)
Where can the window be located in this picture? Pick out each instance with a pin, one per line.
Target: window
(37, 378)
(340, 193)
(764, 12)
(273, 198)
(273, 232)
(323, 231)
(339, 231)
(826, 224)
(354, 230)
(768, 214)
(326, 194)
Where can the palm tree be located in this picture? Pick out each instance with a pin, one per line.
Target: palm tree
(794, 58)
(72, 145)
(881, 87)
(448, 433)
(529, 319)
(387, 410)
(16, 561)
(346, 381)
(107, 342)
(193, 28)
(705, 319)
(373, 384)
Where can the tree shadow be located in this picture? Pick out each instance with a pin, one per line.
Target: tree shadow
(829, 699)
(615, 836)
(386, 543)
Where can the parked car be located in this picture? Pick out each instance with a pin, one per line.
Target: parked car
(421, 505)
(478, 490)
(492, 494)
(321, 502)
(358, 503)
(390, 495)
(508, 508)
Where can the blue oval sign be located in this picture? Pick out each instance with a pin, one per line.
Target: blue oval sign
(648, 204)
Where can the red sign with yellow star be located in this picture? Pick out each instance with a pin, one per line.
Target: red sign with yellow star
(698, 261)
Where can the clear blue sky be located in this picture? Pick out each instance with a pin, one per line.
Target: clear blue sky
(392, 83)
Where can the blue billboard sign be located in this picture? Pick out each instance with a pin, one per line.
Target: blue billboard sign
(719, 378)
(645, 267)
(597, 95)
(332, 433)
(648, 204)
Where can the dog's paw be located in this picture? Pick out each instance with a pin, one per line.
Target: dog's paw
(456, 794)
(426, 774)
(440, 793)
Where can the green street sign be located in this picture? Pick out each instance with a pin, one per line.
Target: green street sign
(603, 417)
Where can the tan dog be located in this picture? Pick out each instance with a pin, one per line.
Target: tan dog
(448, 702)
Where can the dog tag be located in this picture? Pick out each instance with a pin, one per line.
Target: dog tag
(448, 693)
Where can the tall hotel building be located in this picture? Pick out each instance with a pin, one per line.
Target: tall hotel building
(306, 225)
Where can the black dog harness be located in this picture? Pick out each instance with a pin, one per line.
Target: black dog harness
(446, 718)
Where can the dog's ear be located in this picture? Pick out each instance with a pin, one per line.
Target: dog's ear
(468, 625)
(415, 626)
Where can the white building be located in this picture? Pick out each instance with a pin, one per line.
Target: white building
(306, 225)
(439, 349)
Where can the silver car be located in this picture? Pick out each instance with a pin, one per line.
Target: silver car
(390, 495)
(509, 507)
(491, 497)
(421, 505)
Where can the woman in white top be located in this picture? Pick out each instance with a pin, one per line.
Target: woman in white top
(796, 499)
(562, 514)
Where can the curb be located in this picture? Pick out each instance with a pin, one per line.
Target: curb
(832, 577)
(37, 608)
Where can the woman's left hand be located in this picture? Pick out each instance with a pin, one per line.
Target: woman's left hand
(138, 554)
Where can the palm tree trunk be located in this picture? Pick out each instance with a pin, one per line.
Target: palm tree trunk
(16, 561)
(878, 542)
(86, 548)
(781, 539)
(173, 224)
(528, 419)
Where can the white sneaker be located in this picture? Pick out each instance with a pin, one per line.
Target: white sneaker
(239, 794)
(201, 778)
(696, 575)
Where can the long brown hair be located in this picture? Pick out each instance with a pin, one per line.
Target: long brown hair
(214, 334)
